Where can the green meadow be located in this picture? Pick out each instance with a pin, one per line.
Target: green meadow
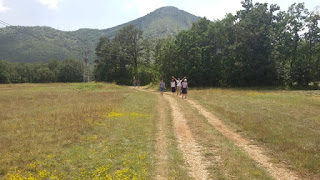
(106, 131)
(286, 123)
(75, 131)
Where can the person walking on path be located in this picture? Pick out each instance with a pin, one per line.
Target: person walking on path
(173, 86)
(184, 88)
(162, 87)
(179, 81)
(134, 83)
(138, 83)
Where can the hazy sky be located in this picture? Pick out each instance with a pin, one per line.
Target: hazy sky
(102, 14)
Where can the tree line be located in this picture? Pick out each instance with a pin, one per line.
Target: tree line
(260, 45)
(68, 70)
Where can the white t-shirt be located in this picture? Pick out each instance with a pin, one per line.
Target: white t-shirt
(173, 84)
(178, 83)
(184, 84)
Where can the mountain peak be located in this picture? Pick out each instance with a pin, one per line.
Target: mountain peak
(50, 43)
(167, 20)
(170, 9)
(167, 8)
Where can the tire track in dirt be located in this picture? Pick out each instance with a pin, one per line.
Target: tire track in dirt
(253, 151)
(187, 144)
(161, 143)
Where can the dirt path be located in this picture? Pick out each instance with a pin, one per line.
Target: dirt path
(187, 144)
(253, 151)
(161, 143)
(191, 149)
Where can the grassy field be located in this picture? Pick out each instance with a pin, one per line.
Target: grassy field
(76, 131)
(105, 131)
(227, 161)
(285, 122)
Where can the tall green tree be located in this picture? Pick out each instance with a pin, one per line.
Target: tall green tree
(107, 60)
(297, 14)
(253, 45)
(130, 40)
(312, 38)
(281, 52)
(118, 59)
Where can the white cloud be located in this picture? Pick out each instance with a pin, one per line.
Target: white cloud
(3, 8)
(51, 4)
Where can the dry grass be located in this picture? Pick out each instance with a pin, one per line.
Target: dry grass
(285, 122)
(224, 159)
(72, 131)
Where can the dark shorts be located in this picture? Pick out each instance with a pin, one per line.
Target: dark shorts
(173, 89)
(184, 91)
(162, 89)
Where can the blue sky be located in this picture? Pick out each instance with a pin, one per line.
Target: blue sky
(101, 14)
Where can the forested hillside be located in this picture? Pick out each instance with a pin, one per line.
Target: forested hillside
(261, 45)
(41, 44)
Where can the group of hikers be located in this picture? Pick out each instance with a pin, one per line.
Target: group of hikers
(177, 85)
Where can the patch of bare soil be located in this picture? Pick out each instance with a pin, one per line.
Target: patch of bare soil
(187, 144)
(256, 153)
(161, 143)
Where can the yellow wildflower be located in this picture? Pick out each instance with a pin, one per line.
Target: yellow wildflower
(44, 174)
(92, 138)
(114, 114)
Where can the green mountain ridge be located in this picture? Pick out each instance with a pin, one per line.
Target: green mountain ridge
(160, 23)
(41, 44)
